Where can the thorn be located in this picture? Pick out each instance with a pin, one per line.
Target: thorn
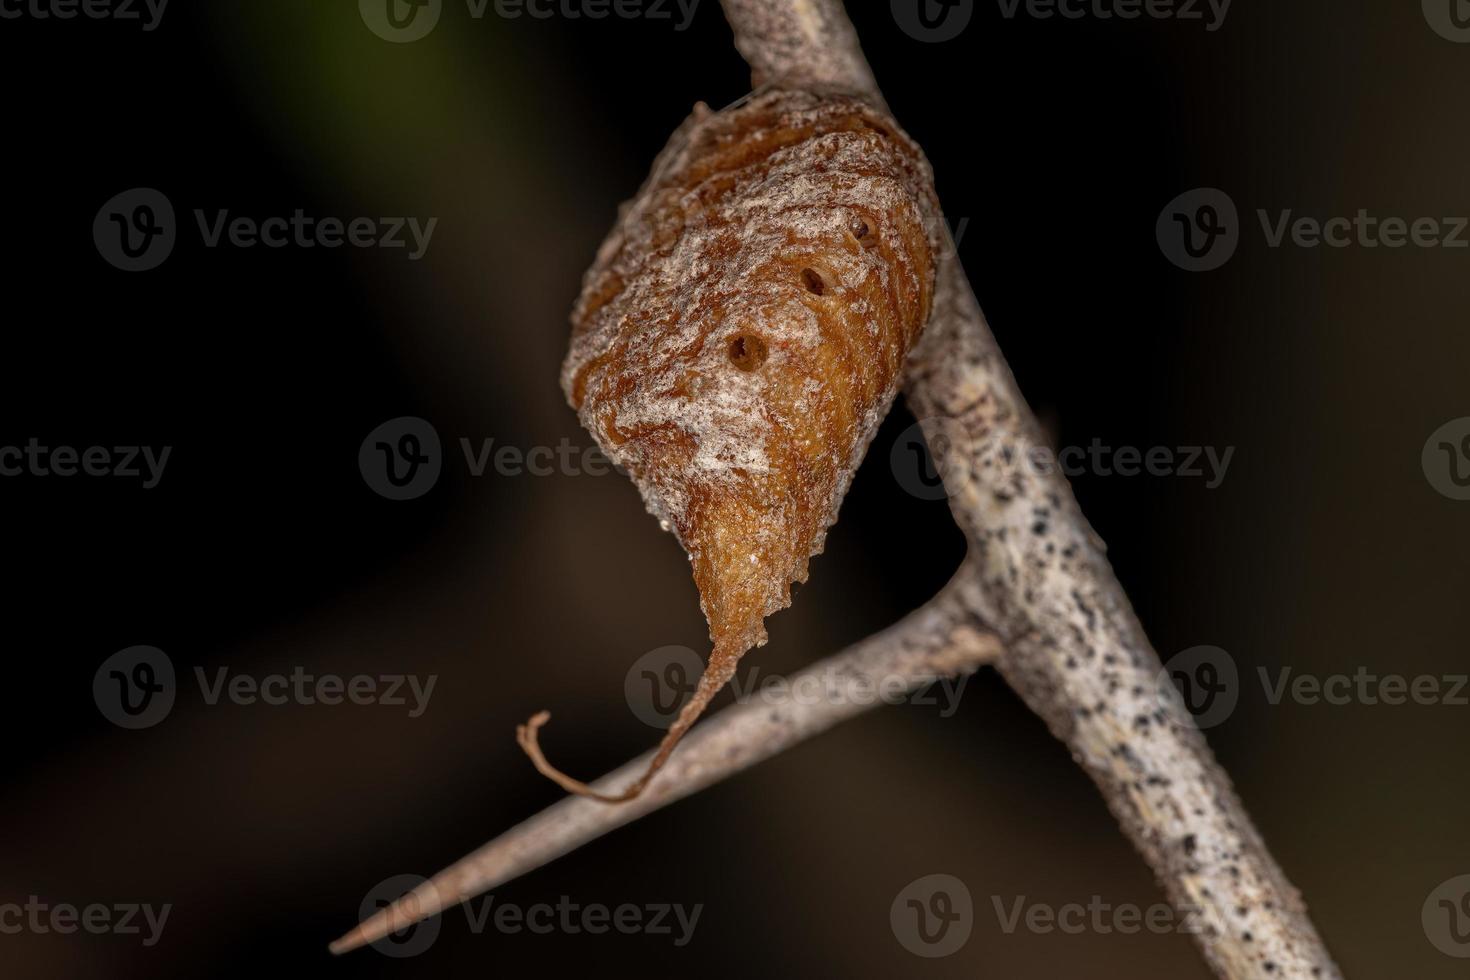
(416, 906)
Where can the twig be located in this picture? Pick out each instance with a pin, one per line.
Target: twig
(1078, 656)
(800, 44)
(941, 639)
(1076, 652)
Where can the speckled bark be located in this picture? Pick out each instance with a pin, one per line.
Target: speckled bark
(1078, 656)
(800, 43)
(1075, 650)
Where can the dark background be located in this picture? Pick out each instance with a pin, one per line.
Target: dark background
(1325, 549)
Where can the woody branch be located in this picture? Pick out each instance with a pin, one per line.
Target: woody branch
(1036, 573)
